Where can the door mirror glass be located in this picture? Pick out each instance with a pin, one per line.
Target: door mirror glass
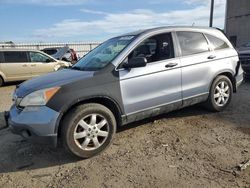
(135, 62)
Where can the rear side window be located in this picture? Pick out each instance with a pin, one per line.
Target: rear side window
(217, 43)
(192, 42)
(15, 57)
(1, 57)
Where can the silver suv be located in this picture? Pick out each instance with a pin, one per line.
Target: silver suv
(126, 79)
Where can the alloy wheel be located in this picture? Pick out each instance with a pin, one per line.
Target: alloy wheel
(91, 132)
(221, 93)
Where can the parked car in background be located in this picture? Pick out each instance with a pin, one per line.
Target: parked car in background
(244, 55)
(62, 53)
(123, 80)
(20, 64)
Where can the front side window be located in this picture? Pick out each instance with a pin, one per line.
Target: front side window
(216, 43)
(15, 57)
(104, 54)
(156, 48)
(38, 57)
(192, 43)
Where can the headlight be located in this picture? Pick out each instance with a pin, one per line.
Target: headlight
(39, 98)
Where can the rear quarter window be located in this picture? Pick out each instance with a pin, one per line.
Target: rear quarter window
(50, 51)
(192, 42)
(15, 57)
(217, 44)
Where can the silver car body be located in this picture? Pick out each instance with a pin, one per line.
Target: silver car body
(132, 94)
(184, 85)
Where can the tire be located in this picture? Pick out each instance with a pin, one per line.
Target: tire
(84, 127)
(213, 102)
(1, 81)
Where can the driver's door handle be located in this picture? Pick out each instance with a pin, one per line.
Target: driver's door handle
(169, 65)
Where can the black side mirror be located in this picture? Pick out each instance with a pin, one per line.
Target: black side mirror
(47, 61)
(135, 62)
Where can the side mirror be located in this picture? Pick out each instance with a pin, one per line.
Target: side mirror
(135, 62)
(47, 61)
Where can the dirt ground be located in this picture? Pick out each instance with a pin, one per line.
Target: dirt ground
(187, 148)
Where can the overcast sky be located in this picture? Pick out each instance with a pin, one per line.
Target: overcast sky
(98, 20)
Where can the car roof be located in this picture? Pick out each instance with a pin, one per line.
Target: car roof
(52, 48)
(170, 28)
(17, 49)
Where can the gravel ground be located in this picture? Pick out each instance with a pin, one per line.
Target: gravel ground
(187, 148)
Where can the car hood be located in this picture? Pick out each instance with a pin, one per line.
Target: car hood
(64, 63)
(61, 52)
(53, 79)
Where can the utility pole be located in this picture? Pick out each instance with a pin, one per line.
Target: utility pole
(211, 14)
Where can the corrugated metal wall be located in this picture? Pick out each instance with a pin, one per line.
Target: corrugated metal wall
(80, 47)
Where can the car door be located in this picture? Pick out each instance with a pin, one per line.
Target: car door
(16, 65)
(41, 63)
(148, 90)
(196, 63)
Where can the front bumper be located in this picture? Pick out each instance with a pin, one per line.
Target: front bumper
(239, 79)
(245, 63)
(36, 124)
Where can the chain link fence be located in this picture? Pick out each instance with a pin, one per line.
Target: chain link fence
(81, 48)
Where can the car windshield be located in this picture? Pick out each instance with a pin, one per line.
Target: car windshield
(104, 54)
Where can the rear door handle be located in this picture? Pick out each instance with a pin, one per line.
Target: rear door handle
(33, 65)
(169, 65)
(25, 65)
(211, 57)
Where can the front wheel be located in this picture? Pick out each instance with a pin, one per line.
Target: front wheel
(220, 94)
(88, 130)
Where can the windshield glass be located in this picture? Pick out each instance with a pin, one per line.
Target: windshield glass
(104, 54)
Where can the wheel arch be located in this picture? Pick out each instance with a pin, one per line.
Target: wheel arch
(3, 76)
(228, 74)
(108, 102)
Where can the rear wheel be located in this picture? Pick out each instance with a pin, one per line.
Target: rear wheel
(88, 130)
(220, 94)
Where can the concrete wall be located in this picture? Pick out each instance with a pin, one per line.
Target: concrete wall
(238, 20)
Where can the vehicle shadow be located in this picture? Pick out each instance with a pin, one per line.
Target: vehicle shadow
(12, 83)
(19, 155)
(185, 112)
(2, 121)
